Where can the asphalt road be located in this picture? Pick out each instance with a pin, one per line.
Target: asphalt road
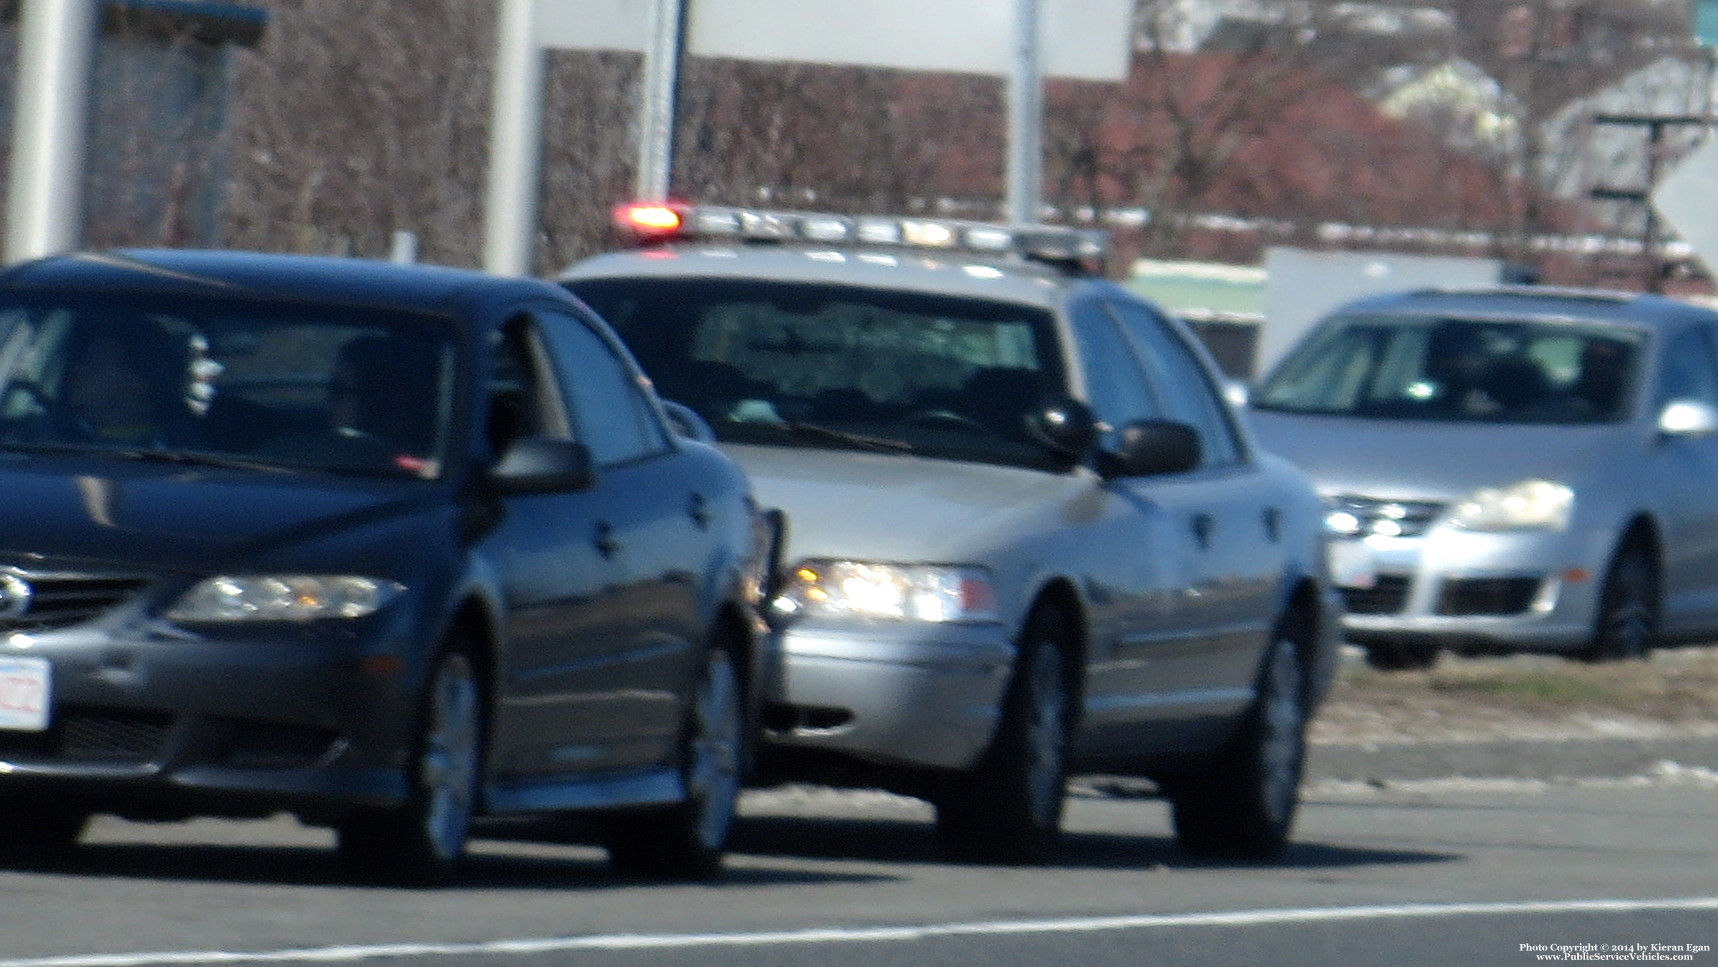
(1389, 867)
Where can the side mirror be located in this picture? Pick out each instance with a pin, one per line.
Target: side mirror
(1066, 426)
(1151, 447)
(1688, 418)
(543, 465)
(685, 421)
(1238, 392)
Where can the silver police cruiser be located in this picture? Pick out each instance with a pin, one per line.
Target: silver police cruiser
(1026, 535)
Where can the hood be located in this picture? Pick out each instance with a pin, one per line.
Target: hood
(164, 517)
(881, 507)
(1416, 460)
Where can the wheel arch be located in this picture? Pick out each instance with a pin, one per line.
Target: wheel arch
(740, 627)
(1617, 634)
(1302, 620)
(473, 622)
(1061, 595)
(1641, 530)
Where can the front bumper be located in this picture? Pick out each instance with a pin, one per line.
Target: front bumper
(1469, 591)
(151, 722)
(890, 693)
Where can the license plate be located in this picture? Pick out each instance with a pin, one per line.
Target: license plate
(1352, 565)
(24, 689)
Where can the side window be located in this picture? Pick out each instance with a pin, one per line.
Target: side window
(1176, 371)
(523, 397)
(611, 413)
(1690, 369)
(1114, 382)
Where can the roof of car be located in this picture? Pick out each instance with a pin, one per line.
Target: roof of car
(958, 274)
(1543, 302)
(422, 288)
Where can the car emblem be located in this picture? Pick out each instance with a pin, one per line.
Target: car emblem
(15, 595)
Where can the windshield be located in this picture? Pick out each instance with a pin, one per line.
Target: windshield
(282, 385)
(817, 365)
(1480, 370)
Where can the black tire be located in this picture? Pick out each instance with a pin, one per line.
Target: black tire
(1397, 656)
(1627, 624)
(1009, 808)
(39, 833)
(1245, 806)
(688, 841)
(424, 841)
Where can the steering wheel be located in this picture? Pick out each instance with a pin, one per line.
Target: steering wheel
(948, 419)
(34, 392)
(49, 411)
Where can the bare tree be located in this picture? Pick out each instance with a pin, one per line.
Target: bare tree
(1262, 130)
(590, 152)
(1164, 142)
(360, 118)
(356, 119)
(838, 138)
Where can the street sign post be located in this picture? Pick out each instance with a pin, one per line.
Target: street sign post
(1687, 200)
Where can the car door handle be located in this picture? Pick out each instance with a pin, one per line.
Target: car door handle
(605, 543)
(698, 509)
(1203, 526)
(1273, 525)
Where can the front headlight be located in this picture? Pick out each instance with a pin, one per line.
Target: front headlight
(1527, 505)
(903, 592)
(283, 597)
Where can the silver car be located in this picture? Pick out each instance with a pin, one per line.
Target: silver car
(1521, 469)
(1026, 535)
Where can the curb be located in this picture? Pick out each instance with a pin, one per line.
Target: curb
(1547, 760)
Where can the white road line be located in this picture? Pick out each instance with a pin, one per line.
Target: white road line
(828, 935)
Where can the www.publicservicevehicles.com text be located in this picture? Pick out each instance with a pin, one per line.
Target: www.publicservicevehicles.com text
(1616, 951)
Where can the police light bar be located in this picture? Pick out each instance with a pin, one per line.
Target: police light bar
(1072, 249)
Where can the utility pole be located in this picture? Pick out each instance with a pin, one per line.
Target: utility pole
(44, 213)
(1652, 241)
(516, 132)
(1026, 117)
(661, 87)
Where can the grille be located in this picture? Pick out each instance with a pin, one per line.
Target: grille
(1387, 518)
(1476, 596)
(78, 735)
(1388, 595)
(41, 601)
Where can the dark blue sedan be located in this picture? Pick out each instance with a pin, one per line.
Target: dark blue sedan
(387, 547)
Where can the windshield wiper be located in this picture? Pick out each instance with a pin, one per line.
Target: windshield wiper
(37, 446)
(191, 459)
(863, 441)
